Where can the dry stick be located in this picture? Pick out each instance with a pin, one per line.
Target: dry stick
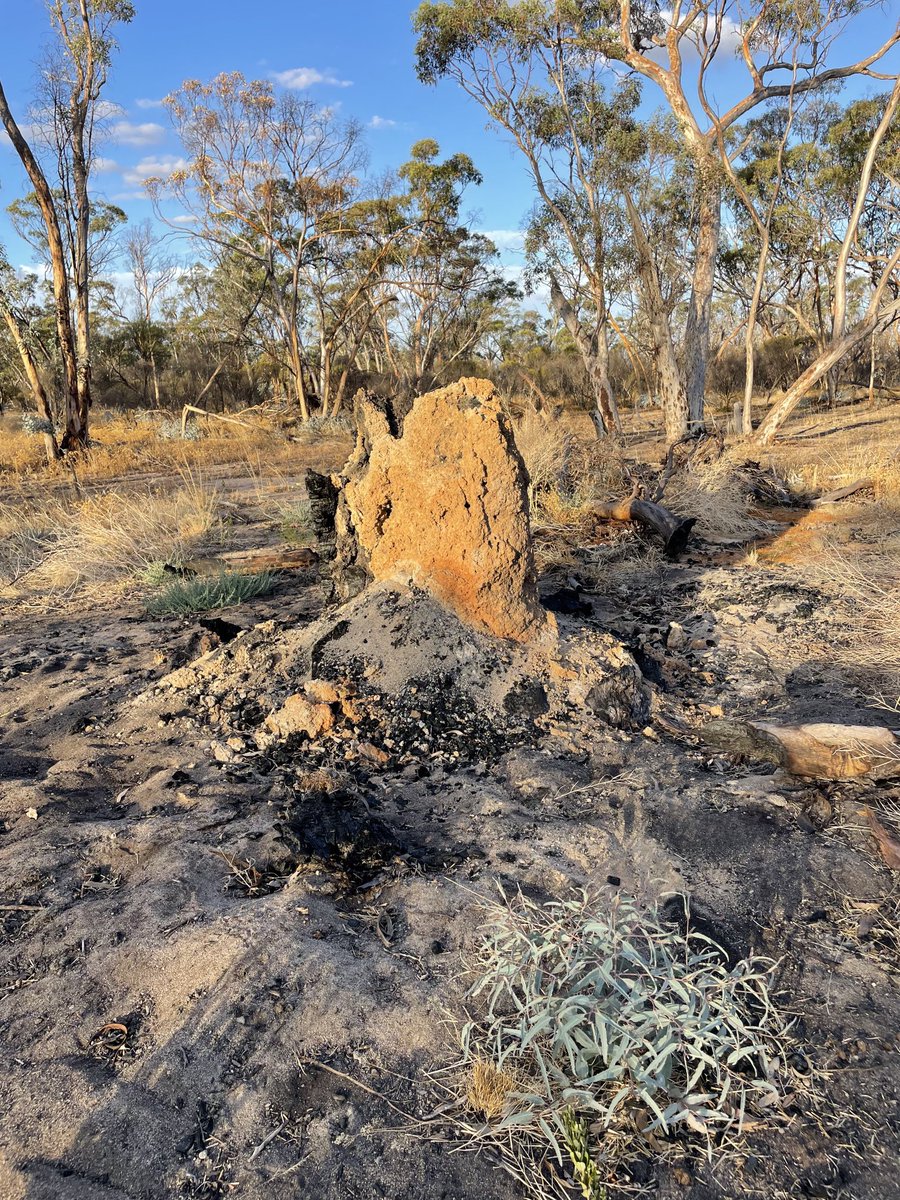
(292, 1167)
(189, 408)
(670, 465)
(363, 1087)
(269, 1138)
(842, 493)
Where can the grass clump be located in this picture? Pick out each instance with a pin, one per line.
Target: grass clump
(183, 597)
(609, 1027)
(296, 523)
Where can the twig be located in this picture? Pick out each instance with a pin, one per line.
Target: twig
(670, 465)
(363, 1087)
(292, 1167)
(262, 1145)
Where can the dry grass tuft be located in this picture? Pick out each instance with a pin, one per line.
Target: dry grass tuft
(105, 537)
(714, 494)
(139, 444)
(488, 1089)
(546, 446)
(871, 584)
(842, 447)
(567, 472)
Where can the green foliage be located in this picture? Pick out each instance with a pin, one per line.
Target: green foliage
(576, 1136)
(185, 596)
(612, 1018)
(34, 424)
(457, 31)
(296, 526)
(170, 430)
(154, 574)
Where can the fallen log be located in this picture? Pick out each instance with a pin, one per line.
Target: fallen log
(818, 750)
(673, 530)
(250, 562)
(202, 412)
(842, 493)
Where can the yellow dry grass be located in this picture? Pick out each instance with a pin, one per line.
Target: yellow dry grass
(487, 1089)
(835, 449)
(851, 547)
(715, 494)
(55, 544)
(127, 446)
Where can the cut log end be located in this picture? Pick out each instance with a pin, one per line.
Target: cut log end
(672, 530)
(816, 751)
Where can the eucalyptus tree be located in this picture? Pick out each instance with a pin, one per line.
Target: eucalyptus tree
(493, 48)
(538, 68)
(16, 309)
(658, 200)
(864, 159)
(154, 269)
(75, 427)
(781, 50)
(75, 73)
(73, 78)
(270, 178)
(442, 287)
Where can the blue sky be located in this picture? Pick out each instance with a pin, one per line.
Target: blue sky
(367, 47)
(358, 53)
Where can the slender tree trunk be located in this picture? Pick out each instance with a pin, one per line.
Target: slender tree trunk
(824, 363)
(872, 351)
(697, 327)
(38, 392)
(297, 372)
(595, 356)
(672, 394)
(82, 275)
(75, 435)
(839, 301)
(749, 347)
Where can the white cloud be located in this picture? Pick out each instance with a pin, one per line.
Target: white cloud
(299, 78)
(153, 167)
(382, 123)
(506, 239)
(106, 109)
(183, 219)
(149, 103)
(730, 39)
(103, 166)
(126, 133)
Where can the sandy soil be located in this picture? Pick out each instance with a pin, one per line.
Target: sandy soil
(229, 972)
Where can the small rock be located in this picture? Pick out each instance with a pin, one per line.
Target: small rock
(676, 637)
(373, 753)
(300, 715)
(324, 691)
(221, 752)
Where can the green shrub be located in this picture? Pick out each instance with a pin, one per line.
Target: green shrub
(607, 1024)
(154, 574)
(296, 523)
(170, 430)
(184, 596)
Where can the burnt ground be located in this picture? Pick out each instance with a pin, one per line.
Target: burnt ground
(226, 972)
